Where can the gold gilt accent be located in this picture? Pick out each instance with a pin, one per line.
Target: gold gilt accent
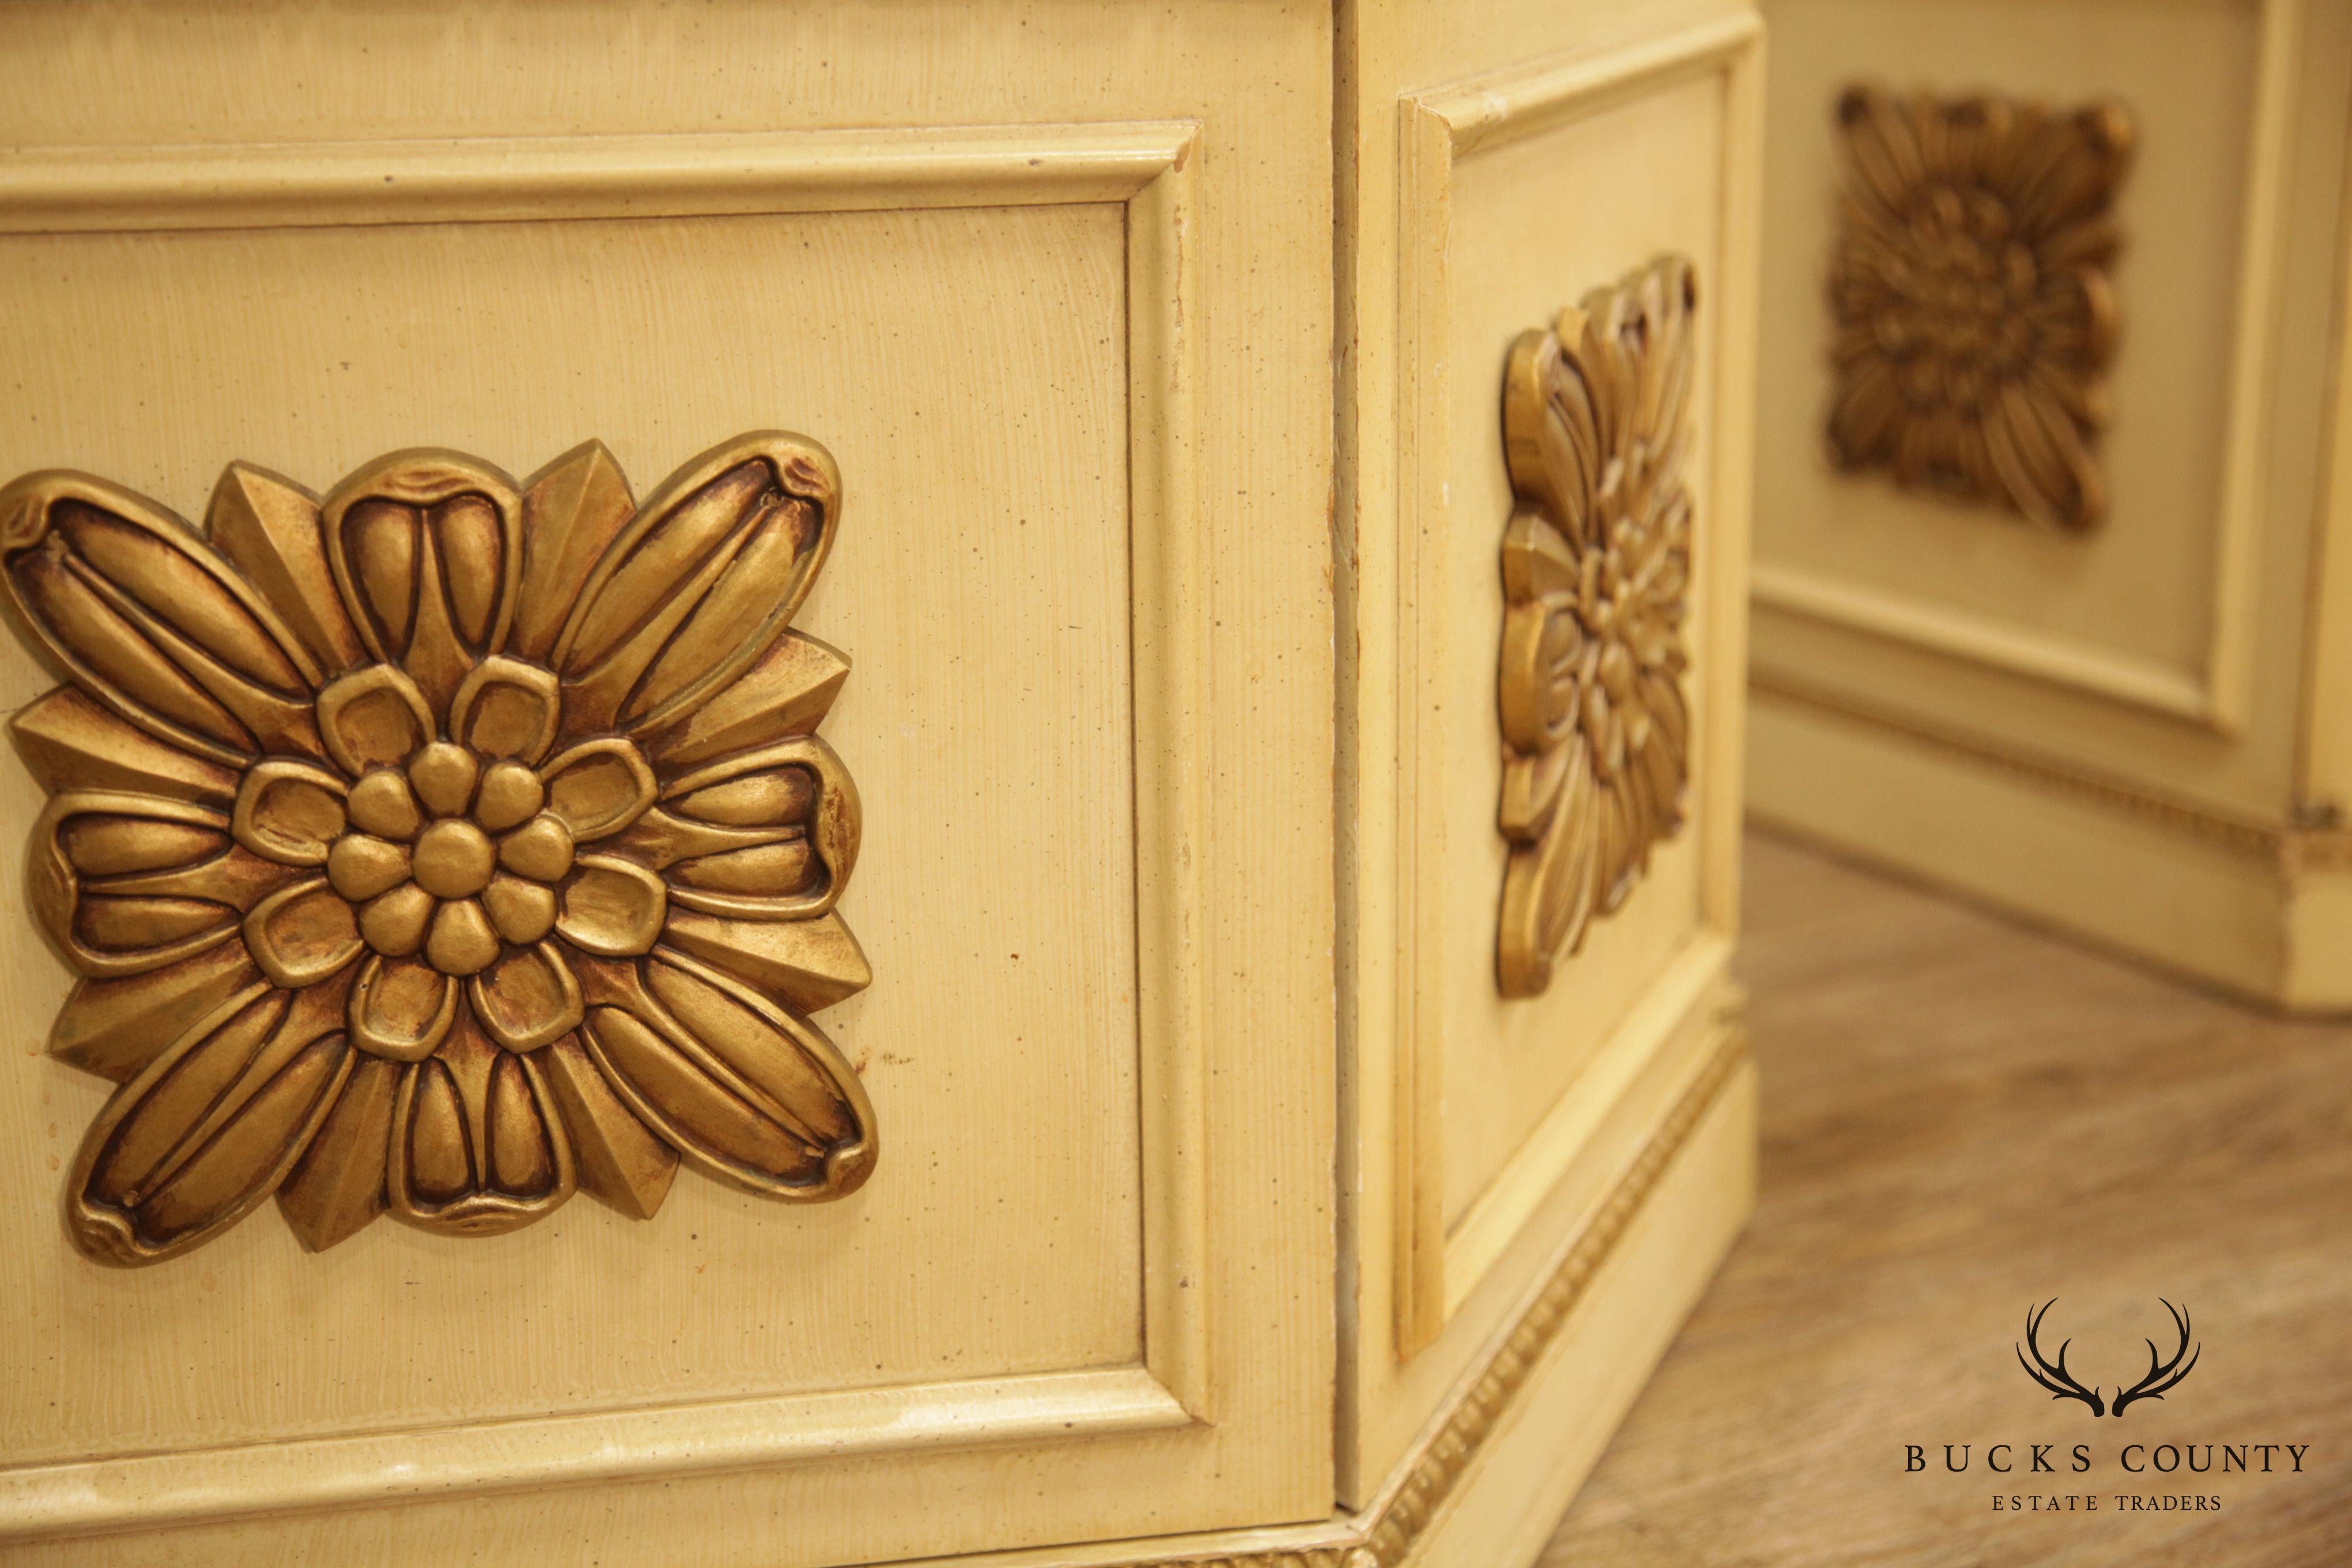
(1596, 583)
(1974, 302)
(446, 845)
(1386, 1534)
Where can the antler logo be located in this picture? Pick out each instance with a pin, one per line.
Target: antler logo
(2162, 1374)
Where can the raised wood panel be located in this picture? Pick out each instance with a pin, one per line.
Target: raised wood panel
(213, 324)
(2154, 646)
(2151, 608)
(2044, 719)
(1522, 191)
(1024, 342)
(1523, 217)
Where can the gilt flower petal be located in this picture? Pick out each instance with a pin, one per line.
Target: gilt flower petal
(267, 526)
(288, 812)
(621, 1163)
(599, 787)
(394, 923)
(115, 1027)
(68, 742)
(701, 582)
(1554, 447)
(747, 1090)
(528, 998)
(541, 850)
(382, 803)
(361, 865)
(460, 941)
(506, 708)
(426, 547)
(149, 621)
(789, 819)
(1550, 888)
(572, 510)
(374, 717)
(108, 880)
(443, 1175)
(523, 911)
(401, 1009)
(787, 691)
(809, 964)
(613, 908)
(337, 1186)
(302, 933)
(208, 1130)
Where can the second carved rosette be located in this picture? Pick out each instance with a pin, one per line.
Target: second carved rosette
(1596, 582)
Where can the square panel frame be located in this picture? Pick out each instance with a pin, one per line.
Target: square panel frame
(1149, 169)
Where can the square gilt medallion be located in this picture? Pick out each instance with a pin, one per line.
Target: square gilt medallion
(447, 845)
(1972, 292)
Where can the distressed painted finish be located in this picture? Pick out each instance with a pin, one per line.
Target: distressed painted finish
(1055, 285)
(1067, 333)
(1502, 160)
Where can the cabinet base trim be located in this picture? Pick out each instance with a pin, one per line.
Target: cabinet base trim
(1414, 1518)
(2259, 908)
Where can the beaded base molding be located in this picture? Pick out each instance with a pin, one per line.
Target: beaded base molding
(1387, 1534)
(446, 845)
(1596, 586)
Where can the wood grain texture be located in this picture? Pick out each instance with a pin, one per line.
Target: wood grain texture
(1962, 1120)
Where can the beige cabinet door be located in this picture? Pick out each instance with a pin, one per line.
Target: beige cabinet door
(1551, 218)
(883, 1107)
(2049, 586)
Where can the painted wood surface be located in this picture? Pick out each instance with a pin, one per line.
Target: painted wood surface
(2124, 696)
(1226, 1213)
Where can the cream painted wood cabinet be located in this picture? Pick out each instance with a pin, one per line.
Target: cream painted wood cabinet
(820, 784)
(2060, 617)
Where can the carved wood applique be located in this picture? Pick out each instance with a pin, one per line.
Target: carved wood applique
(1975, 310)
(1596, 583)
(446, 845)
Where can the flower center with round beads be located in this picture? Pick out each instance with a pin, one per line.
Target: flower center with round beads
(453, 859)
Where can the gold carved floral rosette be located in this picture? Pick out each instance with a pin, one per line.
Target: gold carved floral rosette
(1974, 305)
(1596, 585)
(446, 846)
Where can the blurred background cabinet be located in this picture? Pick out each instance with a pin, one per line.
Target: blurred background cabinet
(1281, 474)
(2077, 647)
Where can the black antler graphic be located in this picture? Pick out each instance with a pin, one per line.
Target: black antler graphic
(2161, 1373)
(2057, 1379)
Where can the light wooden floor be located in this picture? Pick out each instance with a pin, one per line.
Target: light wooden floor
(1962, 1118)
